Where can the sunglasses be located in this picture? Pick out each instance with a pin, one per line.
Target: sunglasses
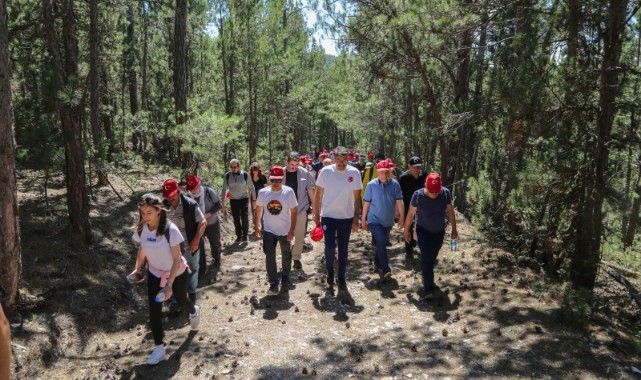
(147, 200)
(234, 167)
(276, 181)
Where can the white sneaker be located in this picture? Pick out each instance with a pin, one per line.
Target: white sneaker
(157, 356)
(194, 319)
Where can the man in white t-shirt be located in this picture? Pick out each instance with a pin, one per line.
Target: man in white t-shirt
(279, 226)
(338, 197)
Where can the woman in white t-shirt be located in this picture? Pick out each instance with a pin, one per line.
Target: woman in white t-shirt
(159, 247)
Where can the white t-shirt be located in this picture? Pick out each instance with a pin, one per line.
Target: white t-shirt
(157, 249)
(277, 209)
(338, 194)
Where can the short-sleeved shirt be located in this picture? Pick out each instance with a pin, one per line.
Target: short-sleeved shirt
(206, 201)
(262, 181)
(157, 249)
(382, 198)
(409, 185)
(338, 194)
(430, 213)
(277, 205)
(177, 216)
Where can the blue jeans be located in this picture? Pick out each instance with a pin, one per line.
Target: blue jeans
(381, 236)
(429, 243)
(336, 231)
(194, 264)
(269, 247)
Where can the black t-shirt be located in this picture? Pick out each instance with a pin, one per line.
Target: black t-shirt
(291, 180)
(409, 185)
(262, 181)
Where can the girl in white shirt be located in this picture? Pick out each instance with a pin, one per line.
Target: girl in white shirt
(159, 247)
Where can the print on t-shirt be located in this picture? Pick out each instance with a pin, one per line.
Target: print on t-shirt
(274, 207)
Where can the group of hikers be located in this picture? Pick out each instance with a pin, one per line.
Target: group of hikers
(340, 189)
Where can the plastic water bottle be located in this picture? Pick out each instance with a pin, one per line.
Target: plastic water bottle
(160, 297)
(454, 245)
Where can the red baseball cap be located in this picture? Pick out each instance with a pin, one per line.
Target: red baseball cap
(192, 182)
(370, 154)
(169, 188)
(383, 166)
(433, 183)
(316, 233)
(277, 172)
(324, 154)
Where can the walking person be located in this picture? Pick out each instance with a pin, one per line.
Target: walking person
(301, 182)
(278, 228)
(337, 209)
(411, 180)
(430, 205)
(190, 220)
(209, 203)
(160, 243)
(382, 201)
(241, 189)
(258, 178)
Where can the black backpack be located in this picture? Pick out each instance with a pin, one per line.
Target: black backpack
(229, 173)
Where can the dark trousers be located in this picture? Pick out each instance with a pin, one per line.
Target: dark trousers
(269, 247)
(212, 232)
(337, 233)
(179, 287)
(409, 247)
(239, 211)
(429, 243)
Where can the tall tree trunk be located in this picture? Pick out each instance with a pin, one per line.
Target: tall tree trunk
(180, 72)
(132, 80)
(10, 256)
(70, 112)
(95, 91)
(145, 56)
(587, 254)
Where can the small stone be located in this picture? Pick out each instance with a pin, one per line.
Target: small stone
(538, 329)
(304, 370)
(347, 325)
(231, 319)
(296, 309)
(445, 333)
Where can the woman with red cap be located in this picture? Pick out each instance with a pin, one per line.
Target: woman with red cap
(430, 205)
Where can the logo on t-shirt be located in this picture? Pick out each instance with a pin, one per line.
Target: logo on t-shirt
(274, 207)
(350, 179)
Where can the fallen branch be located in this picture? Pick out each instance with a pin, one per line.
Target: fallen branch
(622, 280)
(627, 272)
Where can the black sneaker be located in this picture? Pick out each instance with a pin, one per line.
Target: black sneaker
(330, 278)
(342, 285)
(238, 240)
(298, 264)
(245, 239)
(273, 290)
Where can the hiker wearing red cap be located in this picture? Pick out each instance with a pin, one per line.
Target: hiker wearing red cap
(160, 242)
(209, 204)
(430, 205)
(411, 180)
(382, 201)
(279, 223)
(190, 220)
(302, 182)
(338, 203)
(371, 173)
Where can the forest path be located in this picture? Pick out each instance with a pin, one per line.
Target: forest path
(490, 320)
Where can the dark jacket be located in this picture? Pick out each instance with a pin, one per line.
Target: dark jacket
(189, 213)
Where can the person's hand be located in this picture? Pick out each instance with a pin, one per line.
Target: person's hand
(290, 236)
(317, 219)
(400, 225)
(193, 246)
(168, 291)
(454, 234)
(406, 235)
(224, 208)
(207, 215)
(364, 224)
(355, 226)
(136, 274)
(258, 233)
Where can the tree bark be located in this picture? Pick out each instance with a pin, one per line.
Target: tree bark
(95, 90)
(10, 254)
(180, 64)
(70, 113)
(586, 257)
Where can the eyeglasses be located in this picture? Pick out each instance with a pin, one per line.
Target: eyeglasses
(276, 181)
(233, 167)
(148, 200)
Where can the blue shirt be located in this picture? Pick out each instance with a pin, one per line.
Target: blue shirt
(382, 199)
(430, 213)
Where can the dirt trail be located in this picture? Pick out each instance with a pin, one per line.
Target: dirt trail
(487, 324)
